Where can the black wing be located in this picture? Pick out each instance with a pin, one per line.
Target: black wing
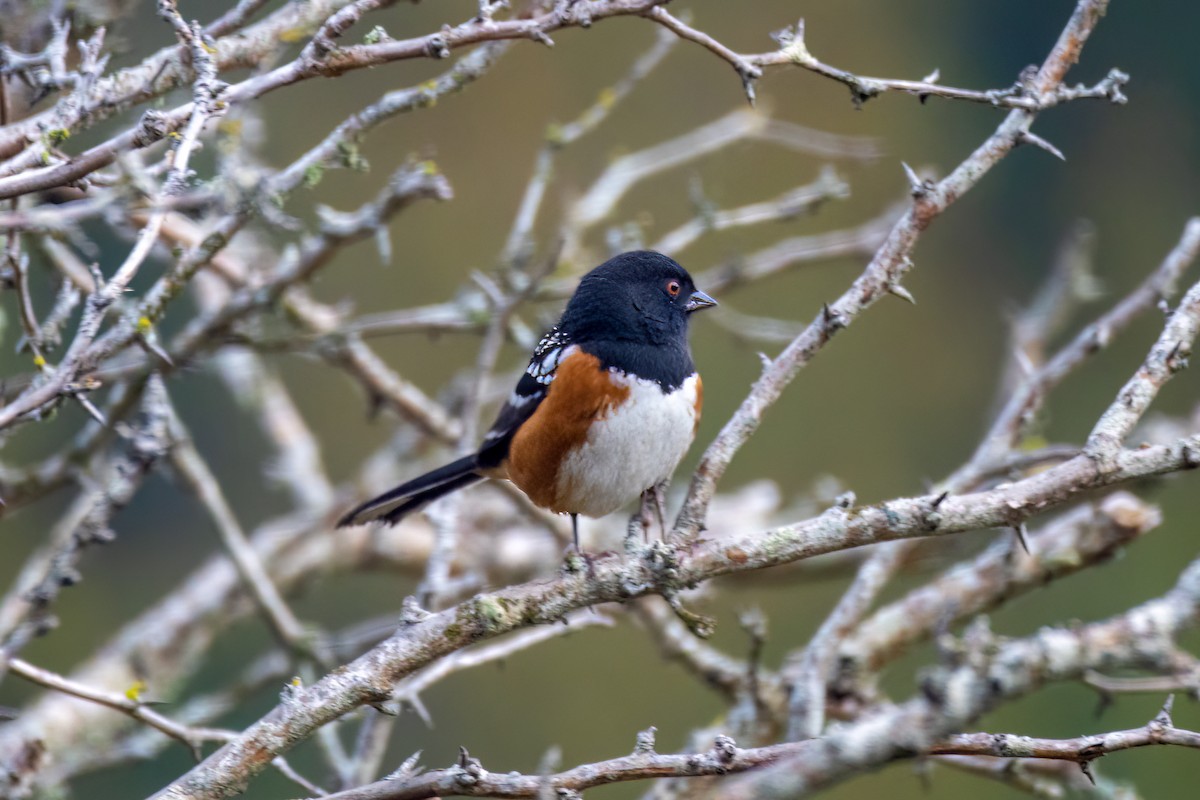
(526, 397)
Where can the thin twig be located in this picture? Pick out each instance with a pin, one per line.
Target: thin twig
(200, 480)
(127, 703)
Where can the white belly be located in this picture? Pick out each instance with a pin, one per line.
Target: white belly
(635, 447)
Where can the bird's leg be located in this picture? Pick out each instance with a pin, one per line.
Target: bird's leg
(654, 499)
(660, 506)
(573, 557)
(643, 516)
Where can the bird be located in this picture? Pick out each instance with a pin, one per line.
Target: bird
(605, 410)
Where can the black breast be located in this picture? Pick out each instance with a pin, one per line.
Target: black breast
(667, 365)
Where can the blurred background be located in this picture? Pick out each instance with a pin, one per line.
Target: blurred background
(893, 404)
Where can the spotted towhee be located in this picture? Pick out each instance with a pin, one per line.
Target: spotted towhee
(607, 407)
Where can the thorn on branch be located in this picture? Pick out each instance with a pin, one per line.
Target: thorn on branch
(1177, 359)
(436, 46)
(1190, 454)
(551, 760)
(899, 291)
(393, 709)
(100, 535)
(724, 749)
(1028, 137)
(93, 412)
(1163, 718)
(918, 187)
(833, 320)
(408, 768)
(468, 770)
(1021, 531)
(644, 745)
(933, 517)
(931, 78)
(148, 342)
(411, 612)
(69, 576)
(1100, 338)
(748, 79)
(538, 35)
(863, 89)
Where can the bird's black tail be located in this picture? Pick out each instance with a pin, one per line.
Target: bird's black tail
(394, 505)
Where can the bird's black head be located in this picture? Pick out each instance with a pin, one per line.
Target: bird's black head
(641, 297)
(631, 312)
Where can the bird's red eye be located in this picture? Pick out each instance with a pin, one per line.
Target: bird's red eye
(673, 288)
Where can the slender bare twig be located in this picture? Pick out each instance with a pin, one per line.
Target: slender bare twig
(1051, 780)
(812, 671)
(410, 688)
(128, 703)
(298, 465)
(1167, 358)
(131, 704)
(200, 480)
(468, 778)
(234, 18)
(560, 136)
(1015, 415)
(885, 271)
(337, 148)
(1080, 537)
(1184, 681)
(1082, 750)
(793, 203)
(25, 610)
(207, 103)
(623, 173)
(985, 672)
(1024, 94)
(153, 127)
(677, 643)
(1069, 284)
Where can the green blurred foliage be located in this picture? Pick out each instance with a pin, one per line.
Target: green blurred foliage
(896, 401)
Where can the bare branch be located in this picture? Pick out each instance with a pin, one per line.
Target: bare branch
(1025, 94)
(127, 703)
(889, 265)
(200, 480)
(1080, 537)
(1081, 750)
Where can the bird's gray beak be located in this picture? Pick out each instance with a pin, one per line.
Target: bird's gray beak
(697, 301)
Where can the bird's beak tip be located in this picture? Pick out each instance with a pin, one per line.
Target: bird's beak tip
(699, 300)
